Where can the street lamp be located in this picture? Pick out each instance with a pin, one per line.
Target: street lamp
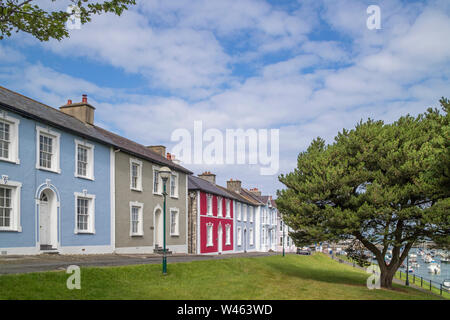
(165, 173)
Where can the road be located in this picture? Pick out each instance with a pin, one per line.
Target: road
(51, 262)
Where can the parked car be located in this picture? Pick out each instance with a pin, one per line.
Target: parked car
(303, 252)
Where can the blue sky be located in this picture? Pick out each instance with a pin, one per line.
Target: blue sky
(308, 68)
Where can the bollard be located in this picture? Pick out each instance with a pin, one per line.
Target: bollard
(430, 285)
(414, 278)
(441, 289)
(421, 282)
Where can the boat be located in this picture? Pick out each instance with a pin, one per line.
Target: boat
(434, 268)
(446, 285)
(412, 256)
(427, 259)
(410, 269)
(445, 259)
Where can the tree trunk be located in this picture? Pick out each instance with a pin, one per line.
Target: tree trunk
(386, 277)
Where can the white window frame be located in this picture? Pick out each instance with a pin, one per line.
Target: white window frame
(140, 231)
(220, 207)
(16, 188)
(244, 218)
(209, 204)
(140, 170)
(209, 232)
(239, 211)
(175, 195)
(177, 222)
(160, 183)
(90, 156)
(13, 151)
(91, 221)
(251, 236)
(251, 210)
(228, 207)
(56, 148)
(228, 235)
(239, 236)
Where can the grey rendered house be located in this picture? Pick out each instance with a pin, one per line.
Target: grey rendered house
(139, 200)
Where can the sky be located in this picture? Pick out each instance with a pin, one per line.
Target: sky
(308, 68)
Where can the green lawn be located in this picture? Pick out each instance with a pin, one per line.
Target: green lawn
(274, 277)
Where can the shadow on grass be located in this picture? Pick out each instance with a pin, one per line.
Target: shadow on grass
(321, 274)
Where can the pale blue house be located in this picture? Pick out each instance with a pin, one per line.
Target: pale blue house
(56, 179)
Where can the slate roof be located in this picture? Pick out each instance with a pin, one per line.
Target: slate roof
(237, 196)
(196, 183)
(30, 108)
(251, 197)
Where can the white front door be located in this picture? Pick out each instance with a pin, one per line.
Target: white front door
(44, 223)
(220, 238)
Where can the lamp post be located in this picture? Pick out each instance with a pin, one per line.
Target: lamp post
(165, 173)
(283, 236)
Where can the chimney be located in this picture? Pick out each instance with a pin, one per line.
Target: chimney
(255, 191)
(169, 156)
(161, 150)
(83, 111)
(234, 185)
(176, 161)
(208, 176)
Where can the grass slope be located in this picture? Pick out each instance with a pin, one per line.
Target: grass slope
(274, 277)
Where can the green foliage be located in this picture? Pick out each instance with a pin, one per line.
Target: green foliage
(357, 253)
(29, 17)
(386, 185)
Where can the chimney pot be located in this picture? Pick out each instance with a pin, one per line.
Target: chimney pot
(84, 100)
(69, 101)
(208, 176)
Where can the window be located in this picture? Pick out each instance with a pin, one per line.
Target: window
(239, 236)
(10, 205)
(156, 185)
(9, 138)
(136, 175)
(219, 207)
(209, 235)
(251, 212)
(281, 241)
(174, 185)
(228, 235)
(84, 160)
(84, 212)
(245, 213)
(47, 150)
(174, 228)
(251, 236)
(227, 203)
(239, 212)
(209, 204)
(136, 219)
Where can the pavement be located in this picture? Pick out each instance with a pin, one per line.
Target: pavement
(52, 262)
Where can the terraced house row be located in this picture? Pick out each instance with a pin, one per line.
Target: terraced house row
(72, 187)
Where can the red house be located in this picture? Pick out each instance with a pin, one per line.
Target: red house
(210, 216)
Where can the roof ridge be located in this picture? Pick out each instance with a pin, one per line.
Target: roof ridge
(43, 104)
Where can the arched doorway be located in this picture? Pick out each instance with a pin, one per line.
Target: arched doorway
(48, 220)
(220, 239)
(159, 235)
(245, 240)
